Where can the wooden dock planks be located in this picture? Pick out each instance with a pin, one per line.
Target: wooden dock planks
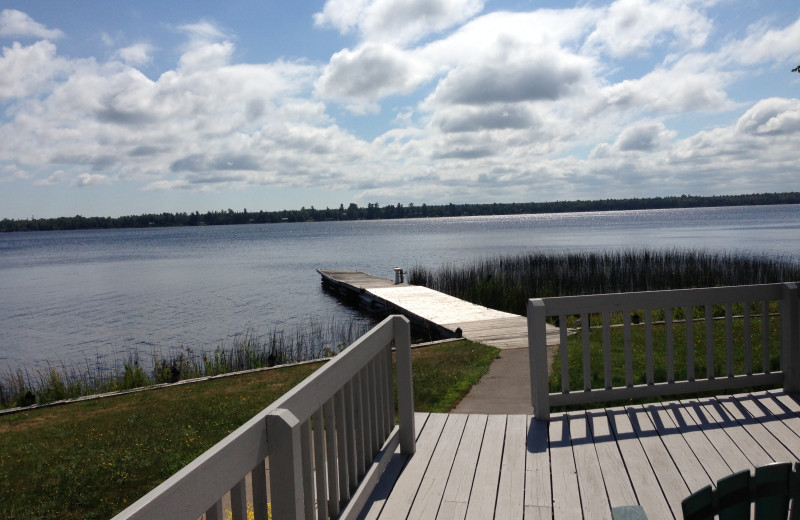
(425, 306)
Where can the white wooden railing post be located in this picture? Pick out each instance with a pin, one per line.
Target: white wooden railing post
(790, 338)
(286, 488)
(405, 385)
(537, 357)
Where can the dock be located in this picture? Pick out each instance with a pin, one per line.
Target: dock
(449, 316)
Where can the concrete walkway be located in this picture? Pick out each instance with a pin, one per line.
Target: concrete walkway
(504, 389)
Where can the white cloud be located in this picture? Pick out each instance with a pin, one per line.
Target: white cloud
(90, 179)
(203, 31)
(397, 21)
(371, 72)
(137, 54)
(494, 117)
(643, 137)
(771, 117)
(15, 23)
(635, 26)
(58, 177)
(541, 78)
(765, 44)
(683, 87)
(26, 71)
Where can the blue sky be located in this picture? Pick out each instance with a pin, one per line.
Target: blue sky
(117, 108)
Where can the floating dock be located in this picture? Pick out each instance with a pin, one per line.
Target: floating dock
(448, 315)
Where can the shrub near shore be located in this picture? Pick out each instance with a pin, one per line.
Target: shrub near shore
(507, 282)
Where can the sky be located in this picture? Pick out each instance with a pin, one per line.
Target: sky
(124, 108)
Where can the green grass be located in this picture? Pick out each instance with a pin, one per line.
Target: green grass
(575, 353)
(444, 373)
(91, 459)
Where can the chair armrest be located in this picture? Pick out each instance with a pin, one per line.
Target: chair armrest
(628, 513)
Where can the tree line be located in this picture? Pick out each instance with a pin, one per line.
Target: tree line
(374, 211)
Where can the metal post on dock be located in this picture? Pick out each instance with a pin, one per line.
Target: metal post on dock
(398, 275)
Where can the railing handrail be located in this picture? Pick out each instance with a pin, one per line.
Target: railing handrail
(616, 302)
(605, 304)
(197, 488)
(177, 497)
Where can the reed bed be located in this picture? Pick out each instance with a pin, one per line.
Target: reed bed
(507, 282)
(249, 350)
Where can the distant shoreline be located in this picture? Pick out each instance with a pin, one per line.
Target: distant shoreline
(376, 212)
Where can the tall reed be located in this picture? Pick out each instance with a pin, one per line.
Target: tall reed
(507, 282)
(313, 340)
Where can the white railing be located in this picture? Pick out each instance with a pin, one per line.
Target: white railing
(628, 304)
(325, 443)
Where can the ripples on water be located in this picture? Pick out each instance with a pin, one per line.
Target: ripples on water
(73, 295)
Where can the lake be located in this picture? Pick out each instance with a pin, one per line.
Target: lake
(68, 296)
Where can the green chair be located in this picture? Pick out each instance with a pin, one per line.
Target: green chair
(773, 490)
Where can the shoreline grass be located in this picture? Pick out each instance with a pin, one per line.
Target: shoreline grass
(507, 282)
(54, 382)
(91, 459)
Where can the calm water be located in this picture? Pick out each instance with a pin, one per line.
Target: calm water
(72, 295)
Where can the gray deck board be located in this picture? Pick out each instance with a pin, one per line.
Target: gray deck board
(583, 463)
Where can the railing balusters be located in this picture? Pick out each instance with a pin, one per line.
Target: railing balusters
(307, 461)
(689, 326)
(351, 439)
(239, 501)
(258, 478)
(628, 347)
(380, 400)
(366, 421)
(331, 451)
(320, 465)
(729, 339)
(748, 343)
(702, 301)
(765, 338)
(215, 511)
(360, 428)
(669, 345)
(388, 388)
(373, 410)
(380, 409)
(587, 360)
(562, 320)
(607, 372)
(343, 436)
(648, 345)
(709, 341)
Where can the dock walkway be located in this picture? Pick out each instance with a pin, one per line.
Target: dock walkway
(451, 316)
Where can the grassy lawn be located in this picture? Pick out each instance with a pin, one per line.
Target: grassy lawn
(659, 352)
(91, 459)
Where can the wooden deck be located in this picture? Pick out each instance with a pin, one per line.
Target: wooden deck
(581, 464)
(425, 306)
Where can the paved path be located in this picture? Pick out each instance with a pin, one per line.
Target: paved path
(505, 388)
